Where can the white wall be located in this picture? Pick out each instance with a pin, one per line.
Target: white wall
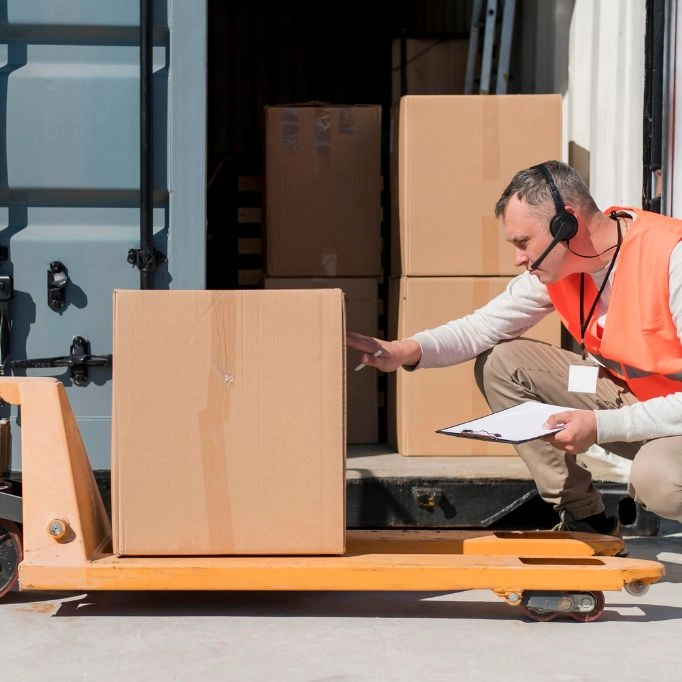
(604, 102)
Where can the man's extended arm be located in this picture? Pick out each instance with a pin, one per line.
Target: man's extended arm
(521, 305)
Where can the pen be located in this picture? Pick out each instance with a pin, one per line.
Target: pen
(362, 364)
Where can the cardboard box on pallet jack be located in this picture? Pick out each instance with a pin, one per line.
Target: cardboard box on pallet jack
(228, 422)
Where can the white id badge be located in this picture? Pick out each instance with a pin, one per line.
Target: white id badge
(583, 378)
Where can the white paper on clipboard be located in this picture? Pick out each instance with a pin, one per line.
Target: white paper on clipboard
(517, 424)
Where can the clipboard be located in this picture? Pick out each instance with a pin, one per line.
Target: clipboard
(518, 424)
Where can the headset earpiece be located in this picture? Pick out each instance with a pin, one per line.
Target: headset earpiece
(564, 225)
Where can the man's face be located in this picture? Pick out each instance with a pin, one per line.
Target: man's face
(526, 228)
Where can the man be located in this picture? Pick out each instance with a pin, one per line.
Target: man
(615, 278)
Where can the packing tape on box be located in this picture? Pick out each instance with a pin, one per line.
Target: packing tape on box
(346, 121)
(491, 137)
(490, 238)
(290, 130)
(323, 136)
(480, 292)
(329, 262)
(222, 326)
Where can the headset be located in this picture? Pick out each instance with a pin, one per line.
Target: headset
(563, 225)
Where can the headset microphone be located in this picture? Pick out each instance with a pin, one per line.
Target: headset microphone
(536, 264)
(563, 225)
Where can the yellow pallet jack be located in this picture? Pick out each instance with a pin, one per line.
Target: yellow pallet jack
(66, 543)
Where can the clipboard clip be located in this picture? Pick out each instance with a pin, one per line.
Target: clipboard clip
(483, 433)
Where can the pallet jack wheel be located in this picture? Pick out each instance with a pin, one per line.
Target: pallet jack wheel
(549, 605)
(539, 615)
(11, 554)
(594, 612)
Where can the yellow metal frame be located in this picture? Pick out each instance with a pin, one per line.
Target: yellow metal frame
(67, 538)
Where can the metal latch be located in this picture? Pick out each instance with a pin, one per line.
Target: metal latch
(145, 261)
(57, 279)
(78, 361)
(427, 498)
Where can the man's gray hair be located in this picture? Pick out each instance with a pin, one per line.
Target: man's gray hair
(531, 186)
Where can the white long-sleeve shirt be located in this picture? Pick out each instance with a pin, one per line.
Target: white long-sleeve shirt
(525, 302)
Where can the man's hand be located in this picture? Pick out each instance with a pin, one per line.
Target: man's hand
(386, 356)
(578, 433)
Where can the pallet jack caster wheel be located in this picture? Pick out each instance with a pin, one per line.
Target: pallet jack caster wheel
(11, 554)
(636, 588)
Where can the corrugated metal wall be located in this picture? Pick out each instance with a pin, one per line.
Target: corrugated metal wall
(604, 101)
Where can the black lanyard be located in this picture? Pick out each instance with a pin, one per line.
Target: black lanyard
(584, 322)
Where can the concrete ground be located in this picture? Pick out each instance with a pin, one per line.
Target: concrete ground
(335, 636)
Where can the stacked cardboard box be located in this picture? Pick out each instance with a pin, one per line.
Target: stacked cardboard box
(323, 191)
(323, 220)
(228, 414)
(453, 157)
(424, 401)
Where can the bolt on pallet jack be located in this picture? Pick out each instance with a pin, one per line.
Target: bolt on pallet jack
(63, 542)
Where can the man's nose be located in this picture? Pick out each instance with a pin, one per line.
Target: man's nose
(520, 257)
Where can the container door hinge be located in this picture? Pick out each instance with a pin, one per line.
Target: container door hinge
(78, 361)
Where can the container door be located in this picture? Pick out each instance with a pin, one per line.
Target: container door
(70, 184)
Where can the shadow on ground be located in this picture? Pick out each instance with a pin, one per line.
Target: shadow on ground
(408, 605)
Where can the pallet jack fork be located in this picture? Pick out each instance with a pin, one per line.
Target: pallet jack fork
(67, 542)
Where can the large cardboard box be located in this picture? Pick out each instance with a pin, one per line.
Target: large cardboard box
(362, 312)
(454, 156)
(228, 422)
(423, 401)
(323, 191)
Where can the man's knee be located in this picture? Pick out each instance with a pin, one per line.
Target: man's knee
(481, 369)
(657, 487)
(495, 361)
(499, 364)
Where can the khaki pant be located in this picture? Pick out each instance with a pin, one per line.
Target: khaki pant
(523, 369)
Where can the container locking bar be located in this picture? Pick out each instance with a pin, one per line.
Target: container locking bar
(78, 361)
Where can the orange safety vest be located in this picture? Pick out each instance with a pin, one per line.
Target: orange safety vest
(639, 343)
